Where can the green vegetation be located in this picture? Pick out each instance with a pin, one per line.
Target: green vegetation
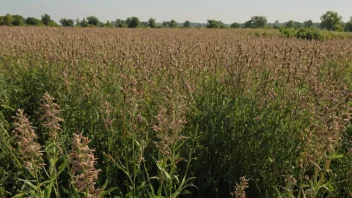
(313, 33)
(92, 112)
(330, 21)
(256, 22)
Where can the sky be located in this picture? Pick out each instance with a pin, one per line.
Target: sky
(228, 11)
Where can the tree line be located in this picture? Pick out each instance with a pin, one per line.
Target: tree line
(330, 21)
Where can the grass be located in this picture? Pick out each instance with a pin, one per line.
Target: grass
(173, 113)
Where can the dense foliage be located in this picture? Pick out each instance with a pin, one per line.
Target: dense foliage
(329, 21)
(311, 33)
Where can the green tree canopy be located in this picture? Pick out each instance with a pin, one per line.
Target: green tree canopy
(46, 20)
(93, 21)
(348, 26)
(121, 23)
(290, 24)
(33, 21)
(166, 24)
(67, 22)
(7, 20)
(187, 24)
(173, 24)
(83, 23)
(277, 24)
(18, 20)
(144, 24)
(133, 22)
(331, 21)
(256, 22)
(215, 24)
(108, 24)
(235, 25)
(152, 23)
(308, 24)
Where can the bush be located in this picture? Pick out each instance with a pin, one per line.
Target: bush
(288, 32)
(311, 33)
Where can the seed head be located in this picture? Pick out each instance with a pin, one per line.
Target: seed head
(29, 150)
(50, 115)
(83, 170)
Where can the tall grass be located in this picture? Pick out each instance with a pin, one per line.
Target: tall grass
(175, 113)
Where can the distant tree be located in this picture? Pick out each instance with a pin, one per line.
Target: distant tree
(33, 21)
(308, 24)
(348, 26)
(78, 22)
(46, 20)
(222, 25)
(215, 24)
(293, 24)
(290, 24)
(7, 20)
(331, 21)
(248, 24)
(260, 21)
(67, 22)
(152, 23)
(83, 23)
(166, 24)
(93, 21)
(187, 24)
(256, 22)
(298, 24)
(235, 25)
(173, 24)
(1, 18)
(133, 22)
(144, 24)
(121, 23)
(277, 24)
(108, 24)
(18, 20)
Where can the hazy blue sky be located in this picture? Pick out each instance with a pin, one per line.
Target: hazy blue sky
(194, 10)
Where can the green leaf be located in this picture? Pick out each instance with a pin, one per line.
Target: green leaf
(62, 167)
(106, 192)
(48, 189)
(336, 156)
(105, 185)
(19, 195)
(65, 190)
(75, 193)
(186, 192)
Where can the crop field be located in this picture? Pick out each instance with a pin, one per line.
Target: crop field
(102, 112)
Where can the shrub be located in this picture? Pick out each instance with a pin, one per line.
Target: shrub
(311, 33)
(288, 32)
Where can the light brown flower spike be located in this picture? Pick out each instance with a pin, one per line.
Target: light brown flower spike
(83, 170)
(50, 115)
(29, 150)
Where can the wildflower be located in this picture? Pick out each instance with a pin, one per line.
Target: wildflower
(240, 189)
(50, 115)
(83, 170)
(29, 150)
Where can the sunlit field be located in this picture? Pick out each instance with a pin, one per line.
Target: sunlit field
(102, 112)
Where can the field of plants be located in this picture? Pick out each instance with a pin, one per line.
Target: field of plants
(173, 113)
